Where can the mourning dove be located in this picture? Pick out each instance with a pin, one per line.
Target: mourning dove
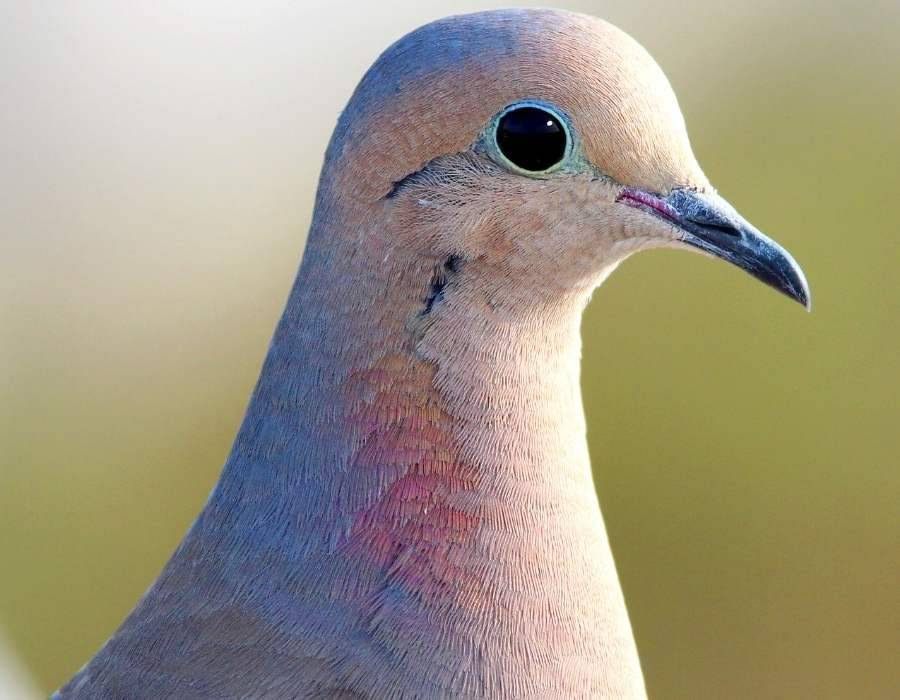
(408, 509)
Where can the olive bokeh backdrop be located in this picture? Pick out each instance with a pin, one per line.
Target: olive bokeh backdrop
(157, 168)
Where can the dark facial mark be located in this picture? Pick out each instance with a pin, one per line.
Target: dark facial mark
(398, 186)
(439, 279)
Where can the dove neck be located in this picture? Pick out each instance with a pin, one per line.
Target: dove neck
(411, 382)
(430, 454)
(391, 364)
(405, 393)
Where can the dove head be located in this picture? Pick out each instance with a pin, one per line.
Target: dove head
(539, 146)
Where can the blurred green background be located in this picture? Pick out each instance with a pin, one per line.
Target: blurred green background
(157, 170)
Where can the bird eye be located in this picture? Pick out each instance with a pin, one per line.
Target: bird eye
(532, 138)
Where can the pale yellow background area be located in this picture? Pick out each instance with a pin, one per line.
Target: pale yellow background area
(157, 168)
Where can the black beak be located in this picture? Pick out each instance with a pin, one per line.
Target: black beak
(709, 223)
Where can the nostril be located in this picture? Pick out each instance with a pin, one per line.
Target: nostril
(720, 226)
(697, 209)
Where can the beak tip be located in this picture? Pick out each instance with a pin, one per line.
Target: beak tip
(799, 293)
(798, 287)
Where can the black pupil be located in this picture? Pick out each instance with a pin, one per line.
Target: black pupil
(531, 138)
